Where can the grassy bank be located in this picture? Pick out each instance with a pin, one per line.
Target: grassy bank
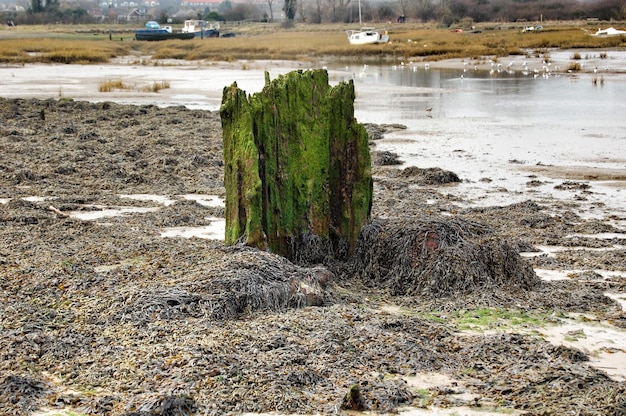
(96, 44)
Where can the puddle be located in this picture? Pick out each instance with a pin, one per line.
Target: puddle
(551, 251)
(202, 199)
(458, 411)
(599, 236)
(605, 345)
(206, 200)
(215, 231)
(149, 197)
(108, 213)
(28, 198)
(552, 275)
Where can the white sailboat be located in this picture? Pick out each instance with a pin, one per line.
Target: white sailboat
(365, 36)
(611, 31)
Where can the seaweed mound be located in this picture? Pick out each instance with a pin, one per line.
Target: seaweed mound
(430, 176)
(438, 258)
(244, 281)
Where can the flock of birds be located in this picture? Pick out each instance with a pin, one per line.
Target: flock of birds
(512, 67)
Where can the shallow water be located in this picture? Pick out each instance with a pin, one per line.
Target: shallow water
(490, 126)
(492, 129)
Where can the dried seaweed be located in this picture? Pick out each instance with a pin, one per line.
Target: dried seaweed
(108, 318)
(438, 258)
(22, 393)
(245, 281)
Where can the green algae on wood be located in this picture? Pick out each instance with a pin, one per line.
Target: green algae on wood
(297, 167)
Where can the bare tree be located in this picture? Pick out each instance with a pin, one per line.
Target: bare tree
(337, 9)
(270, 4)
(424, 9)
(317, 11)
(404, 5)
(302, 11)
(290, 8)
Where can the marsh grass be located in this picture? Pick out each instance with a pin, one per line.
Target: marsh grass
(574, 67)
(49, 50)
(156, 86)
(302, 42)
(119, 85)
(112, 85)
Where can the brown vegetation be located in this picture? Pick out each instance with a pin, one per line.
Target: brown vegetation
(303, 42)
(107, 317)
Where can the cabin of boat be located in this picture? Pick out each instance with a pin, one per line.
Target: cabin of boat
(202, 28)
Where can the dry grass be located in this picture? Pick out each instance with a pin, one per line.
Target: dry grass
(117, 85)
(51, 50)
(112, 85)
(303, 42)
(156, 86)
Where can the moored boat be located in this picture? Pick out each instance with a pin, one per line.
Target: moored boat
(154, 32)
(610, 31)
(366, 36)
(201, 28)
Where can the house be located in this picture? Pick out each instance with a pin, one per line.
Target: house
(199, 3)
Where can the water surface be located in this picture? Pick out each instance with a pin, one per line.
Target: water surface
(485, 125)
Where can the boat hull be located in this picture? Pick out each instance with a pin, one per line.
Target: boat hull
(201, 28)
(207, 33)
(611, 31)
(366, 37)
(157, 35)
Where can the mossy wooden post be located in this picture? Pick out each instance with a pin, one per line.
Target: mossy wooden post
(297, 167)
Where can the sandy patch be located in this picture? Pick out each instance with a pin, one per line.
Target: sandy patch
(588, 173)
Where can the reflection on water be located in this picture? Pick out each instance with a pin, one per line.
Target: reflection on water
(459, 93)
(487, 125)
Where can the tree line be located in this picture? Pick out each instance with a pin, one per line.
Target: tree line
(445, 12)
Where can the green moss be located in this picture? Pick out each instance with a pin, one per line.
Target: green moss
(300, 158)
(496, 318)
(240, 155)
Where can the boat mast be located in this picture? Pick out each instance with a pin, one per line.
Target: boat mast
(360, 21)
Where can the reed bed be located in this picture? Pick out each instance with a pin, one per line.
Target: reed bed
(156, 86)
(49, 50)
(119, 85)
(112, 85)
(302, 42)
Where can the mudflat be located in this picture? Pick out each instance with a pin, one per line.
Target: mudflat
(107, 316)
